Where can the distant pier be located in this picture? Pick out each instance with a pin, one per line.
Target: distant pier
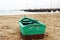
(41, 10)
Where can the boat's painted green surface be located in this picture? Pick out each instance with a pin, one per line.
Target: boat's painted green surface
(30, 26)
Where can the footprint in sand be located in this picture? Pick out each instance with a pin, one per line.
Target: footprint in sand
(5, 27)
(4, 36)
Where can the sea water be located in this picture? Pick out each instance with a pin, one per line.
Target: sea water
(3, 12)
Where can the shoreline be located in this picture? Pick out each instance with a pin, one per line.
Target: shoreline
(21, 13)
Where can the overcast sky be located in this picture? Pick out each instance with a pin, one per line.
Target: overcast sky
(23, 4)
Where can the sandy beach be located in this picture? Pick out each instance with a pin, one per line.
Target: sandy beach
(9, 27)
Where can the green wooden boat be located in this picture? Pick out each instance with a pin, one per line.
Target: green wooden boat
(29, 26)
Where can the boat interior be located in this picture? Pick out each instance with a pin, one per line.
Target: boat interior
(27, 21)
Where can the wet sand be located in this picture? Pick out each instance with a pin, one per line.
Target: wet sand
(9, 27)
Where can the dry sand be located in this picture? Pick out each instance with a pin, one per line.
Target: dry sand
(9, 27)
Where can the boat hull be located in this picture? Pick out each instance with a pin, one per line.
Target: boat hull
(31, 29)
(32, 37)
